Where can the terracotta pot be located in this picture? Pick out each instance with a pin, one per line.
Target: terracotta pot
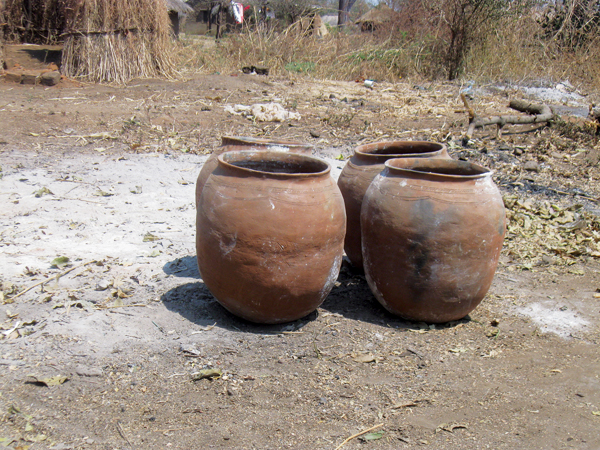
(367, 162)
(229, 143)
(432, 231)
(270, 234)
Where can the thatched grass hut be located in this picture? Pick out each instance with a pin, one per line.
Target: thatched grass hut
(2, 25)
(376, 18)
(103, 40)
(177, 9)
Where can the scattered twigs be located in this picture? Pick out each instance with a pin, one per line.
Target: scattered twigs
(537, 114)
(122, 433)
(56, 277)
(207, 328)
(357, 435)
(469, 109)
(141, 305)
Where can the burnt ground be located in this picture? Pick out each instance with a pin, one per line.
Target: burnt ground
(104, 356)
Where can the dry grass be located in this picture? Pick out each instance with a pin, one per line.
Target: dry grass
(42, 26)
(511, 52)
(2, 20)
(103, 40)
(338, 56)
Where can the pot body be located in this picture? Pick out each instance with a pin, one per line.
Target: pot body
(270, 234)
(432, 231)
(229, 143)
(366, 163)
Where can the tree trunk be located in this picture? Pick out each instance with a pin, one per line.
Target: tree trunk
(344, 7)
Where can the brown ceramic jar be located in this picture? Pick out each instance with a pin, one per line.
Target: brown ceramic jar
(366, 163)
(432, 231)
(229, 143)
(270, 234)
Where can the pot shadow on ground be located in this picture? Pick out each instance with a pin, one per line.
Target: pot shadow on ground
(352, 298)
(194, 302)
(186, 267)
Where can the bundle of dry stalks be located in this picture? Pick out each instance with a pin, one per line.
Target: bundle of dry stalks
(2, 25)
(116, 40)
(33, 21)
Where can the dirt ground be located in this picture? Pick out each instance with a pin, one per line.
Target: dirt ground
(106, 351)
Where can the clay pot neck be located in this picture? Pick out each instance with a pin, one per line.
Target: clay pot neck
(380, 152)
(436, 169)
(272, 164)
(239, 142)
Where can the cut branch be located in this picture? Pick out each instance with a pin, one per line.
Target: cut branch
(538, 114)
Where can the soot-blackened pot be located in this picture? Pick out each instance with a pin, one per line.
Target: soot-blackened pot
(366, 163)
(432, 231)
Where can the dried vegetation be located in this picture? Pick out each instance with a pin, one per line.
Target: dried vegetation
(103, 41)
(489, 41)
(113, 41)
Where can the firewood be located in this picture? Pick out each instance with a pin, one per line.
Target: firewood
(537, 114)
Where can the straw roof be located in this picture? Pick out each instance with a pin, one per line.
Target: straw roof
(179, 6)
(379, 15)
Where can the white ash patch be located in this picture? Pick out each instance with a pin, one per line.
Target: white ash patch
(551, 318)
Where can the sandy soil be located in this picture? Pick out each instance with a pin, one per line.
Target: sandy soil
(104, 356)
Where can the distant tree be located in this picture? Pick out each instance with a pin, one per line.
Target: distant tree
(456, 25)
(344, 11)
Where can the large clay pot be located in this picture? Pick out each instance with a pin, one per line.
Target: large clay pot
(270, 234)
(366, 163)
(229, 143)
(432, 231)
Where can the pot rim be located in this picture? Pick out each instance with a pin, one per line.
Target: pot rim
(375, 150)
(428, 166)
(273, 156)
(250, 140)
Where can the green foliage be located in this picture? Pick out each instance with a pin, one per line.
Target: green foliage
(300, 67)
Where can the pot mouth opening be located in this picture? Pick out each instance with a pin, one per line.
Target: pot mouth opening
(250, 141)
(272, 162)
(439, 167)
(400, 148)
